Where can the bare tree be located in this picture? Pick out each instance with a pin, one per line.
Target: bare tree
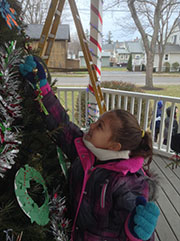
(169, 21)
(155, 20)
(35, 11)
(137, 9)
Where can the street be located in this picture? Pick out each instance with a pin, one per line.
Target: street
(137, 78)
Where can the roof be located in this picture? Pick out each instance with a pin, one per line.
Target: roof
(119, 45)
(171, 49)
(104, 54)
(108, 47)
(134, 46)
(122, 51)
(34, 31)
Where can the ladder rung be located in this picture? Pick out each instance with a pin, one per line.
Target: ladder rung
(51, 35)
(42, 39)
(98, 83)
(77, 16)
(58, 12)
(45, 57)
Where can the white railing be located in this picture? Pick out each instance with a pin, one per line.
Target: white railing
(143, 106)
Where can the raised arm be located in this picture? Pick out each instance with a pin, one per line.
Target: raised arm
(54, 115)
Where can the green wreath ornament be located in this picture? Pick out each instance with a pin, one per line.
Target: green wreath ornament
(40, 215)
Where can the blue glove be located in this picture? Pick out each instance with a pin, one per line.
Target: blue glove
(27, 70)
(145, 218)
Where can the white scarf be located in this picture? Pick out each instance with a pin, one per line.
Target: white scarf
(103, 154)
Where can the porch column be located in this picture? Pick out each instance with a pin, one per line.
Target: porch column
(96, 50)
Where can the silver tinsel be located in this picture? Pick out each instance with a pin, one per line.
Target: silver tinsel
(10, 108)
(59, 223)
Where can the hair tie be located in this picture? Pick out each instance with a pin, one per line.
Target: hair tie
(143, 133)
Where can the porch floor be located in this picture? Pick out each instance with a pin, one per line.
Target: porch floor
(168, 227)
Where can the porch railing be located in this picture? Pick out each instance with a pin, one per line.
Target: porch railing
(143, 106)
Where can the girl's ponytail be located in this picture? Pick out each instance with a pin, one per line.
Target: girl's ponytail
(129, 133)
(145, 148)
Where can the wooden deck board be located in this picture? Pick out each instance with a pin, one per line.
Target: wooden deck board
(168, 227)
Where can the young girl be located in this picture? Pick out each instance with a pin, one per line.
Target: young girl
(107, 180)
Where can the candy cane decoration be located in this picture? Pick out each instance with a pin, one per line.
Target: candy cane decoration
(95, 49)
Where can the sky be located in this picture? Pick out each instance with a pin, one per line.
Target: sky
(110, 21)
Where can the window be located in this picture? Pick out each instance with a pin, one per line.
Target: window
(175, 37)
(166, 57)
(137, 56)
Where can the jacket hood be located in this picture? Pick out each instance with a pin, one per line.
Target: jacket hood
(168, 111)
(131, 165)
(160, 104)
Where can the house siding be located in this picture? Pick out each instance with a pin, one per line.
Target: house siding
(172, 58)
(59, 52)
(58, 55)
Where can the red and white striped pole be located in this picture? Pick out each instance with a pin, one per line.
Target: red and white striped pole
(96, 23)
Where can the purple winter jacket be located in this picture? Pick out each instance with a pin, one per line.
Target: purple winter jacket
(102, 195)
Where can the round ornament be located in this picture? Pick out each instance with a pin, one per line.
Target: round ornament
(40, 215)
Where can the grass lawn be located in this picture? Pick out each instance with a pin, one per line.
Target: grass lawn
(84, 73)
(166, 90)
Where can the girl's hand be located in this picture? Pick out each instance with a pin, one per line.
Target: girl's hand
(32, 70)
(145, 218)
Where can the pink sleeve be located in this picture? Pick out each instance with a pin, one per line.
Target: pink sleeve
(128, 233)
(45, 89)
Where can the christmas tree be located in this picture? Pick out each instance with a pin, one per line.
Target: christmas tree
(26, 147)
(10, 14)
(30, 144)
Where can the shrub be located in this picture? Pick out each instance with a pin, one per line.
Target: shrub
(167, 67)
(143, 67)
(129, 65)
(118, 85)
(175, 66)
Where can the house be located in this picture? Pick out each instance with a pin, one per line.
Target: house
(122, 56)
(121, 51)
(171, 59)
(118, 53)
(82, 59)
(58, 58)
(136, 49)
(110, 49)
(105, 59)
(174, 38)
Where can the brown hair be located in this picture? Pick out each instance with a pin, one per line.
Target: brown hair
(130, 135)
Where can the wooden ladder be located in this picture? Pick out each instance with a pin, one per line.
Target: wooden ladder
(47, 39)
